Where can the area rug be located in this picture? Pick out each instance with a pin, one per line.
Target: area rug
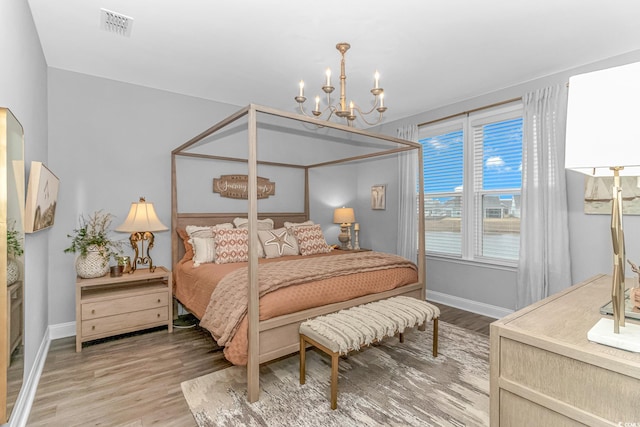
(389, 384)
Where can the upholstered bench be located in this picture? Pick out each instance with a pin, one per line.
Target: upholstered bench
(339, 333)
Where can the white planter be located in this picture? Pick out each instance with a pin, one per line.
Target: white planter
(13, 271)
(92, 265)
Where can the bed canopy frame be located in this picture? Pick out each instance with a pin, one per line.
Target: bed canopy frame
(368, 146)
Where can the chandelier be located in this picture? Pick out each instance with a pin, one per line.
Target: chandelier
(341, 109)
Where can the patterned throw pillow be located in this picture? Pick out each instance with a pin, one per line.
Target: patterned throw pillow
(311, 240)
(277, 243)
(202, 243)
(231, 245)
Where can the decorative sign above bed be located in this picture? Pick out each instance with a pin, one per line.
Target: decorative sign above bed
(237, 187)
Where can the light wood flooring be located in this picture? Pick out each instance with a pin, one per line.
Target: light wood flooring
(135, 380)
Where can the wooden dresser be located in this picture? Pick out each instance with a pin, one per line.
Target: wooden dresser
(545, 372)
(108, 306)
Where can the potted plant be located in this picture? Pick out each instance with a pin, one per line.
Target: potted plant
(14, 250)
(91, 241)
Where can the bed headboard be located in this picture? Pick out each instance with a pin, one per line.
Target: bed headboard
(184, 219)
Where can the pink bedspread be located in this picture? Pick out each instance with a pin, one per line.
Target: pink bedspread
(195, 288)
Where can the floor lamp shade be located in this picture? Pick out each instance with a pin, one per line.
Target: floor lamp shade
(602, 122)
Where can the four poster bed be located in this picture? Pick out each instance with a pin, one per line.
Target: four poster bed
(257, 318)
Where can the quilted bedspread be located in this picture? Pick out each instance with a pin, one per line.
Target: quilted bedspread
(227, 308)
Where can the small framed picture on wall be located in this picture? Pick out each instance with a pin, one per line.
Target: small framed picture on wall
(378, 201)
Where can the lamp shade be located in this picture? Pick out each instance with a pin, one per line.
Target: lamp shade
(343, 216)
(142, 217)
(602, 121)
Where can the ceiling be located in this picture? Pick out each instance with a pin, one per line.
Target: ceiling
(429, 53)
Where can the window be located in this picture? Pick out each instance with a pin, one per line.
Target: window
(472, 181)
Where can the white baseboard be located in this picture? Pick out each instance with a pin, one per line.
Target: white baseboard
(468, 305)
(22, 408)
(62, 330)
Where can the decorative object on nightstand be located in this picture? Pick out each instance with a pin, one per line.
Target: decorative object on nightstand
(345, 217)
(603, 139)
(356, 232)
(141, 222)
(92, 241)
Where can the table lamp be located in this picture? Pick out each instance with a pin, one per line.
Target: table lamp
(603, 140)
(344, 217)
(141, 222)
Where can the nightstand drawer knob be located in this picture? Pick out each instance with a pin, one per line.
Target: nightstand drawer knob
(93, 328)
(158, 314)
(158, 300)
(93, 312)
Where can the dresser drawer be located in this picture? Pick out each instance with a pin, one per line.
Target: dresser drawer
(113, 325)
(111, 307)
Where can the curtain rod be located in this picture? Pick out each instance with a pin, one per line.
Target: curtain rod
(497, 104)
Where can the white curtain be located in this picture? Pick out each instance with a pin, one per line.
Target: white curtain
(407, 243)
(544, 265)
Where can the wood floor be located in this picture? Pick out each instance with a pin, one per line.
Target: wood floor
(135, 380)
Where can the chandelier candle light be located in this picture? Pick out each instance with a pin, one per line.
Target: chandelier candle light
(341, 109)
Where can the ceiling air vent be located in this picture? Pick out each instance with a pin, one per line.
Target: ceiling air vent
(115, 22)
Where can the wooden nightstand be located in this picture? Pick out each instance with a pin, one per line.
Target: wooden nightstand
(107, 306)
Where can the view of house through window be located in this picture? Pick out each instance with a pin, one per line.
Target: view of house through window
(472, 180)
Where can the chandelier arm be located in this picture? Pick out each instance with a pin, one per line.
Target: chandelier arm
(304, 113)
(364, 119)
(341, 110)
(362, 113)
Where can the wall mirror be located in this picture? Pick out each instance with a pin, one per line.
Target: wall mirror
(12, 198)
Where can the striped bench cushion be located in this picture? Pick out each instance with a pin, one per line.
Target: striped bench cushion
(362, 325)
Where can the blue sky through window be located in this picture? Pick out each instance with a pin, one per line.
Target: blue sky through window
(502, 158)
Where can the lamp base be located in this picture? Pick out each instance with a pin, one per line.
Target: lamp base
(142, 259)
(628, 338)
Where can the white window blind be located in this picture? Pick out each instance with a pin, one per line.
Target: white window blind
(473, 174)
(443, 166)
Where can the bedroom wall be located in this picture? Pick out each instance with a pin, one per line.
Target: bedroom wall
(23, 89)
(487, 289)
(110, 143)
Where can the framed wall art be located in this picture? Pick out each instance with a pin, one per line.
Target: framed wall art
(42, 198)
(378, 199)
(598, 191)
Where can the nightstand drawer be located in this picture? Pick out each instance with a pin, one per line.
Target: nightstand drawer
(124, 322)
(93, 310)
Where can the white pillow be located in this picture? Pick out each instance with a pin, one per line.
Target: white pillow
(278, 242)
(288, 224)
(206, 230)
(204, 250)
(263, 224)
(201, 239)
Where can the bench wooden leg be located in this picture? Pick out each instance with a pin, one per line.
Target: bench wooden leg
(401, 337)
(334, 380)
(435, 337)
(303, 360)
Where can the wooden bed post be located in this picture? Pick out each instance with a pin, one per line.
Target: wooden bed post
(422, 264)
(253, 361)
